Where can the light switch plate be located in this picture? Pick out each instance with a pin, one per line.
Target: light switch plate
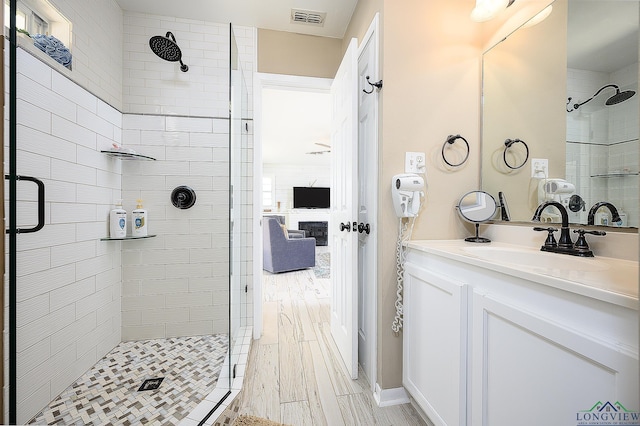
(415, 162)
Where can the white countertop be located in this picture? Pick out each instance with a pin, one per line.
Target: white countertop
(603, 278)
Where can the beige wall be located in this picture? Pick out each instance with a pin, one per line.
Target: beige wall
(430, 66)
(360, 20)
(281, 52)
(431, 90)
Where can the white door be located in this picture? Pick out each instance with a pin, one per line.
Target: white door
(344, 210)
(367, 201)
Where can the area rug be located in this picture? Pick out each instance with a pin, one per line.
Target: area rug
(323, 265)
(246, 420)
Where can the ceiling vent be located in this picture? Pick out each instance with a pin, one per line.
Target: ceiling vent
(308, 17)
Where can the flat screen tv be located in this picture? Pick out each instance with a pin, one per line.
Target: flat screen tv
(310, 198)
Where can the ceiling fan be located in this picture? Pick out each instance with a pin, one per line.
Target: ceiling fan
(324, 151)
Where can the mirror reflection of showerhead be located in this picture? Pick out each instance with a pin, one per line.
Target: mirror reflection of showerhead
(167, 48)
(613, 100)
(619, 97)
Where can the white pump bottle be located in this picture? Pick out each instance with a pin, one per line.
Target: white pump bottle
(118, 221)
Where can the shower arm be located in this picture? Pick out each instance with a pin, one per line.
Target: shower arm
(576, 106)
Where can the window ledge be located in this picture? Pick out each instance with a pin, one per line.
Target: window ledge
(26, 43)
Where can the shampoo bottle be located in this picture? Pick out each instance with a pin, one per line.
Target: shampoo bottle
(118, 222)
(139, 221)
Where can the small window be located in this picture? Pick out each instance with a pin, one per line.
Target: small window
(26, 19)
(21, 18)
(41, 21)
(38, 25)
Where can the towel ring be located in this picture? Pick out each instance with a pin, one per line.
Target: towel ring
(507, 145)
(450, 141)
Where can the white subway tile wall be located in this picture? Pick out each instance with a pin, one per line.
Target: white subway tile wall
(78, 296)
(69, 282)
(603, 156)
(168, 281)
(154, 86)
(96, 45)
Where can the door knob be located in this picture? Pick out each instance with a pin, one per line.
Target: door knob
(346, 226)
(364, 228)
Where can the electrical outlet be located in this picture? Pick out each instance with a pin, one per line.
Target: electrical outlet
(415, 162)
(539, 168)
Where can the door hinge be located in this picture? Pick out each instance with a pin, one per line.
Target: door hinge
(246, 288)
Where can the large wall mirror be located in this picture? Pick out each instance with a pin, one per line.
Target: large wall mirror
(586, 50)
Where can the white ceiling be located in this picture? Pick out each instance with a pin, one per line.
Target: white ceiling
(268, 14)
(293, 124)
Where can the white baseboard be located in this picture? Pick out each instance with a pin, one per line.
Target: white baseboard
(389, 397)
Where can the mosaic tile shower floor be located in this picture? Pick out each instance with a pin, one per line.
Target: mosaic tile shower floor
(108, 392)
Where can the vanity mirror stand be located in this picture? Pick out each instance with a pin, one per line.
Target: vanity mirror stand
(477, 207)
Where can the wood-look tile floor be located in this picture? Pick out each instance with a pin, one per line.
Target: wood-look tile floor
(293, 375)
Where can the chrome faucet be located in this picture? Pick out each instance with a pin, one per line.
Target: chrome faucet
(615, 217)
(565, 243)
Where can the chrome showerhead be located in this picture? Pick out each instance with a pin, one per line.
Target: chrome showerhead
(167, 49)
(613, 100)
(620, 97)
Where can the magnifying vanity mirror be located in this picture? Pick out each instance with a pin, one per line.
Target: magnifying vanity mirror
(532, 81)
(477, 207)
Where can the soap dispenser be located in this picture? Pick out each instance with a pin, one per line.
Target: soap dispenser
(118, 221)
(139, 221)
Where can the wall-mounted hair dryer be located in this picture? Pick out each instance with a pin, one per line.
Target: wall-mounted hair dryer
(406, 192)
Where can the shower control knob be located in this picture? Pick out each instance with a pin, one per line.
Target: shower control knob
(346, 226)
(183, 197)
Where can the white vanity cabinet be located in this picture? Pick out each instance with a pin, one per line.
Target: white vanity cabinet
(529, 370)
(435, 344)
(492, 346)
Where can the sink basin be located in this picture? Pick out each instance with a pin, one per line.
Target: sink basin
(536, 259)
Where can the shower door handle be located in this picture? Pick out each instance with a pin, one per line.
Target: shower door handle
(40, 185)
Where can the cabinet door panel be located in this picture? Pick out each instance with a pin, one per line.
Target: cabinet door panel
(435, 344)
(529, 371)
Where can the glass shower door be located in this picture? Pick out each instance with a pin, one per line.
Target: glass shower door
(239, 204)
(70, 291)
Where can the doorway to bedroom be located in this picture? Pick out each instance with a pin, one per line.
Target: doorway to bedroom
(295, 140)
(292, 166)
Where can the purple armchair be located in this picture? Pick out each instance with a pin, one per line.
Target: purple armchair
(280, 254)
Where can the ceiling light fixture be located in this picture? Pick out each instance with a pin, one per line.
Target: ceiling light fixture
(489, 9)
